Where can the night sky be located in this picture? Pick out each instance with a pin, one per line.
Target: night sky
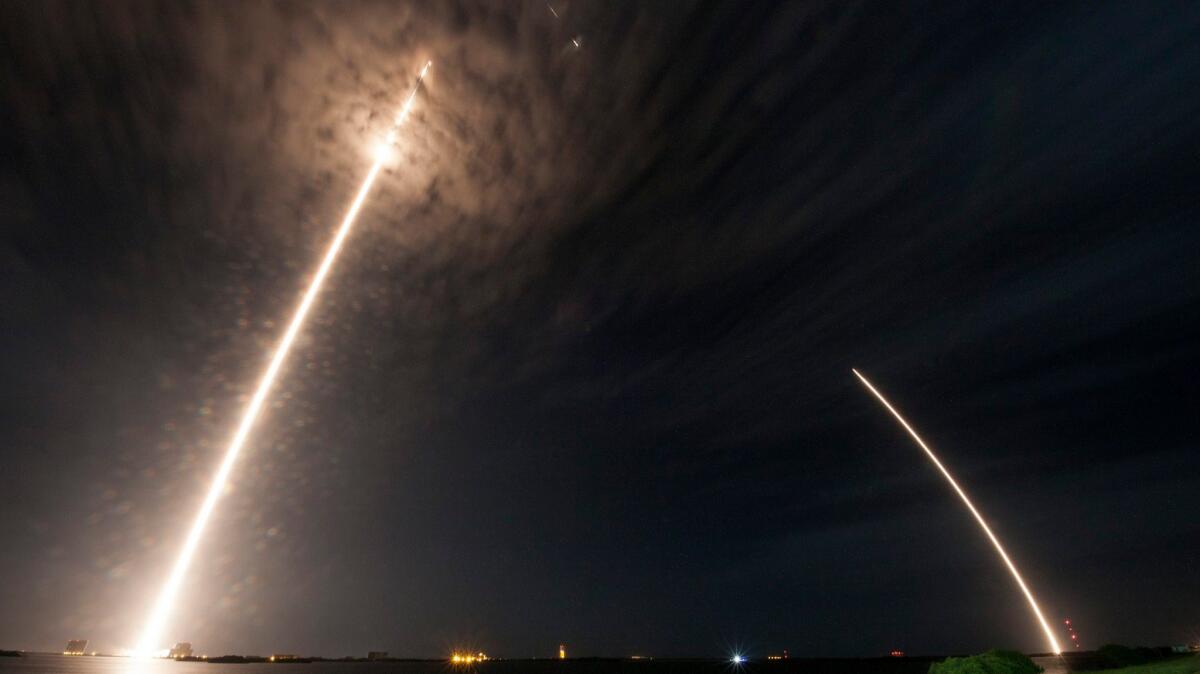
(582, 374)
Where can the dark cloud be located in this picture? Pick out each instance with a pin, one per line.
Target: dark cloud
(582, 373)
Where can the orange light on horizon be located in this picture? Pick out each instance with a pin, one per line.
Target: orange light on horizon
(468, 658)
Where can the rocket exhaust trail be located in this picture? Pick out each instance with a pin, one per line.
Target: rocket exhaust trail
(978, 517)
(152, 633)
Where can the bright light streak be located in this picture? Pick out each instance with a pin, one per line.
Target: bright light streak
(978, 517)
(383, 152)
(152, 633)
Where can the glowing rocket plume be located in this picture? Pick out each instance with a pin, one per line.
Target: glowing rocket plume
(148, 643)
(978, 517)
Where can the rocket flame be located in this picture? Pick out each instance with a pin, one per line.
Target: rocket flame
(978, 517)
(152, 633)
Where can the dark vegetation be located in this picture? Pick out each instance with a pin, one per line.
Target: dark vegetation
(1180, 664)
(1115, 656)
(992, 662)
(237, 659)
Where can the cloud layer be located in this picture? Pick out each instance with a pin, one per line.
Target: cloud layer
(582, 373)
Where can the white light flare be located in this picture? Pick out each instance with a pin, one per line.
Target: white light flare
(152, 633)
(978, 517)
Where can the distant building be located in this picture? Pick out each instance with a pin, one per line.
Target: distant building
(377, 655)
(183, 649)
(562, 652)
(76, 647)
(282, 657)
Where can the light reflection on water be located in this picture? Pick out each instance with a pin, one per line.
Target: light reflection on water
(1052, 665)
(58, 664)
(36, 663)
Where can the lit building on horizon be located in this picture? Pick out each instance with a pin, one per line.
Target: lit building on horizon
(76, 647)
(458, 658)
(377, 655)
(562, 652)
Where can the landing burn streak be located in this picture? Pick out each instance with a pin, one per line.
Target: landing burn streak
(149, 643)
(978, 517)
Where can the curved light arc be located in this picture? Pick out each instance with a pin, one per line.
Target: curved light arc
(1012, 568)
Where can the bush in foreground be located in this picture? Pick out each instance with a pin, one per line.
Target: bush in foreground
(992, 662)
